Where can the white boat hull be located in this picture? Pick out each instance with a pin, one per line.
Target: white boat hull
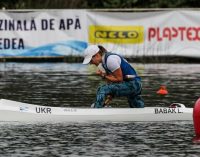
(23, 112)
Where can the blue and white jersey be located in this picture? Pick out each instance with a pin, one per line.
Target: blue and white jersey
(112, 62)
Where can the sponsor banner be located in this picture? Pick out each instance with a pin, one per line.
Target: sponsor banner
(165, 33)
(68, 32)
(42, 33)
(116, 34)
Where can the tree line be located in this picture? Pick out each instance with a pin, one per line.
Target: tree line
(97, 4)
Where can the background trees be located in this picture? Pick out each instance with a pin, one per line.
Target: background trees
(92, 4)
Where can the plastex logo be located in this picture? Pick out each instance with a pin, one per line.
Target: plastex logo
(116, 34)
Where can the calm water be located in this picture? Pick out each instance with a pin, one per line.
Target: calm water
(61, 84)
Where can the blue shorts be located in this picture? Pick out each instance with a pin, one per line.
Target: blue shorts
(130, 89)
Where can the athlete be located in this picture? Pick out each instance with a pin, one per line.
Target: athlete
(121, 77)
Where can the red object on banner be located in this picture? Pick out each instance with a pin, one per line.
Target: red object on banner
(196, 120)
(162, 90)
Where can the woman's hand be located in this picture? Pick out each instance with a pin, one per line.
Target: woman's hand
(100, 73)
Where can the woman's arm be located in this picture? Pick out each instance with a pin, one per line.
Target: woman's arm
(116, 76)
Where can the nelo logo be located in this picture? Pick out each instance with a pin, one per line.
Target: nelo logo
(116, 34)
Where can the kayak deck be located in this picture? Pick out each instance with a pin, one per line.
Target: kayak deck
(17, 111)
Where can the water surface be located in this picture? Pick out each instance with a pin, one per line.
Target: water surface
(61, 84)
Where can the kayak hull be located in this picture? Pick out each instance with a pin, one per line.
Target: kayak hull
(23, 112)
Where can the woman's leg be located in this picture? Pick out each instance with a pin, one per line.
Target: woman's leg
(114, 89)
(135, 99)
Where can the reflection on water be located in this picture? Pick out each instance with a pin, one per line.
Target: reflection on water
(61, 84)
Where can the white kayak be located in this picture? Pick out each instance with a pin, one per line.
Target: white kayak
(24, 112)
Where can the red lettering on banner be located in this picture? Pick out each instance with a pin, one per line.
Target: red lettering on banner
(151, 33)
(159, 38)
(175, 32)
(189, 33)
(182, 29)
(170, 33)
(167, 34)
(196, 37)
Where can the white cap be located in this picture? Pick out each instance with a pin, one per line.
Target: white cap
(89, 52)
